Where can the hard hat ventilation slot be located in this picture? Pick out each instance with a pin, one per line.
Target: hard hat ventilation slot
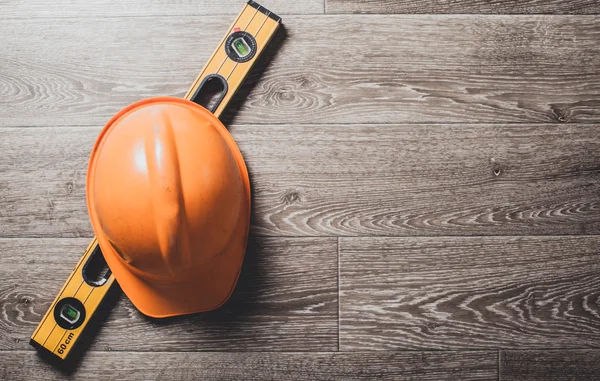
(95, 270)
(211, 92)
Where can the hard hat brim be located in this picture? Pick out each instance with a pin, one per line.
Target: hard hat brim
(209, 289)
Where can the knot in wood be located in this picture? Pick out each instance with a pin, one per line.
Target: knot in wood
(291, 197)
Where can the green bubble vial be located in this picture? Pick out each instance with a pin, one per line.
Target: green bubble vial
(240, 47)
(69, 313)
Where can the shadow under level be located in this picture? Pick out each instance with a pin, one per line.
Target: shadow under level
(254, 76)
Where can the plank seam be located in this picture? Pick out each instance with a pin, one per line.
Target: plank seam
(186, 15)
(339, 293)
(320, 15)
(381, 124)
(354, 236)
(345, 14)
(466, 350)
(498, 368)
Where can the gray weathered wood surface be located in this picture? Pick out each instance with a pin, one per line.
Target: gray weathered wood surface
(469, 292)
(456, 68)
(465, 6)
(426, 200)
(549, 365)
(432, 366)
(348, 180)
(54, 9)
(286, 300)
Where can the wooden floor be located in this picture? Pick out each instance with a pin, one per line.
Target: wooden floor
(425, 174)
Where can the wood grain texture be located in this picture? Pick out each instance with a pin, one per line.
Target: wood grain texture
(465, 6)
(401, 180)
(469, 292)
(285, 300)
(445, 68)
(105, 8)
(468, 366)
(550, 365)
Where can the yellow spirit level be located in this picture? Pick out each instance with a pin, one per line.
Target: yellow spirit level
(82, 293)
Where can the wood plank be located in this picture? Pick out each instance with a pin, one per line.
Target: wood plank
(550, 365)
(285, 300)
(402, 180)
(454, 69)
(468, 366)
(465, 6)
(105, 8)
(470, 292)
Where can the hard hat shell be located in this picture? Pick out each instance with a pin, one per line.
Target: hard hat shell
(168, 195)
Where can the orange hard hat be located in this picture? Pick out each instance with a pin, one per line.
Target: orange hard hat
(169, 199)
